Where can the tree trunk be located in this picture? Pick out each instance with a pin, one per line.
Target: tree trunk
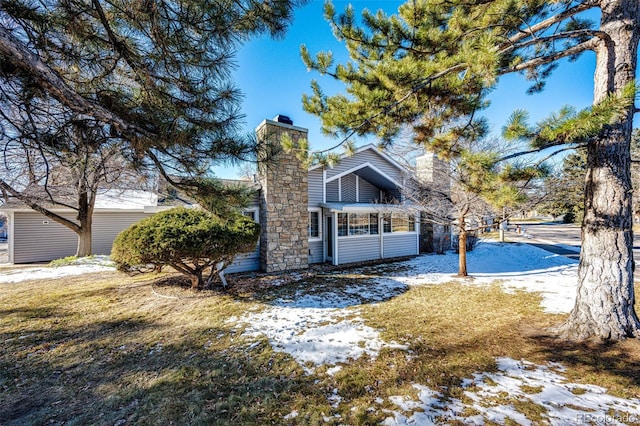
(197, 283)
(604, 305)
(462, 248)
(85, 217)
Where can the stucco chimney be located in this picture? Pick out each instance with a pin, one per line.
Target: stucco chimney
(284, 216)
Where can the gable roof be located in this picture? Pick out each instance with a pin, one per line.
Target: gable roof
(372, 148)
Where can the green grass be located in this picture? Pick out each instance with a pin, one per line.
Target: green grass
(106, 349)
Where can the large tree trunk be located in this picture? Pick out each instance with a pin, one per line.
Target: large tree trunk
(604, 305)
(85, 217)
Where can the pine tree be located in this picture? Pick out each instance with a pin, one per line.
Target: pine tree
(433, 63)
(152, 78)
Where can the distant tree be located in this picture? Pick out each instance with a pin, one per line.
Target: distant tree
(148, 81)
(62, 163)
(565, 190)
(194, 242)
(434, 62)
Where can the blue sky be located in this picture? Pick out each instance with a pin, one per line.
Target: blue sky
(273, 78)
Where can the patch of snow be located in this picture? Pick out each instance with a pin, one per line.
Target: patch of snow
(291, 415)
(518, 266)
(79, 266)
(316, 336)
(317, 329)
(548, 389)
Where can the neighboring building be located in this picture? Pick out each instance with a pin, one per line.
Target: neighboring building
(33, 237)
(352, 212)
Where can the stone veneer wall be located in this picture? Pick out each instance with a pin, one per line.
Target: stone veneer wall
(284, 215)
(432, 171)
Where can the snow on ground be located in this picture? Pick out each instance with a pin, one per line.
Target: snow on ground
(564, 403)
(515, 265)
(78, 267)
(318, 330)
(323, 329)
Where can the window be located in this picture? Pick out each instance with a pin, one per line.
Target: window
(314, 224)
(398, 222)
(343, 224)
(359, 224)
(253, 214)
(355, 224)
(386, 223)
(373, 223)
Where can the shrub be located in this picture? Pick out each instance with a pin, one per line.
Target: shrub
(191, 241)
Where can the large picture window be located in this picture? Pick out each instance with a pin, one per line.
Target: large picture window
(398, 222)
(355, 224)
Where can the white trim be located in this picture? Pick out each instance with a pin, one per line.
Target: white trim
(357, 189)
(362, 166)
(320, 224)
(10, 237)
(256, 210)
(416, 226)
(334, 258)
(340, 189)
(324, 185)
(381, 232)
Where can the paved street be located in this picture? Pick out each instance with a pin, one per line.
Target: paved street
(558, 238)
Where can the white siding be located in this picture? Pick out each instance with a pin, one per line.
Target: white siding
(358, 249)
(316, 252)
(366, 156)
(400, 244)
(315, 187)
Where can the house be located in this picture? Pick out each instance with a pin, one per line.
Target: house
(352, 212)
(33, 237)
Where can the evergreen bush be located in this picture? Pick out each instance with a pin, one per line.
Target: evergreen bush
(192, 241)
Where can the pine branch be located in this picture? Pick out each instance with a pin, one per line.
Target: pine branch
(6, 188)
(415, 89)
(542, 60)
(555, 19)
(12, 49)
(559, 36)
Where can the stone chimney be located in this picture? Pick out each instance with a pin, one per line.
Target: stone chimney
(432, 171)
(284, 215)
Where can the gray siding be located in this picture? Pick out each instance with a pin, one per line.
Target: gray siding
(358, 249)
(366, 156)
(107, 225)
(316, 252)
(245, 262)
(37, 241)
(400, 244)
(315, 187)
(348, 188)
(332, 192)
(368, 192)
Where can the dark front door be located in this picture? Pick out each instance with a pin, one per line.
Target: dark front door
(329, 234)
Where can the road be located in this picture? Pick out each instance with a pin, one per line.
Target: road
(558, 238)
